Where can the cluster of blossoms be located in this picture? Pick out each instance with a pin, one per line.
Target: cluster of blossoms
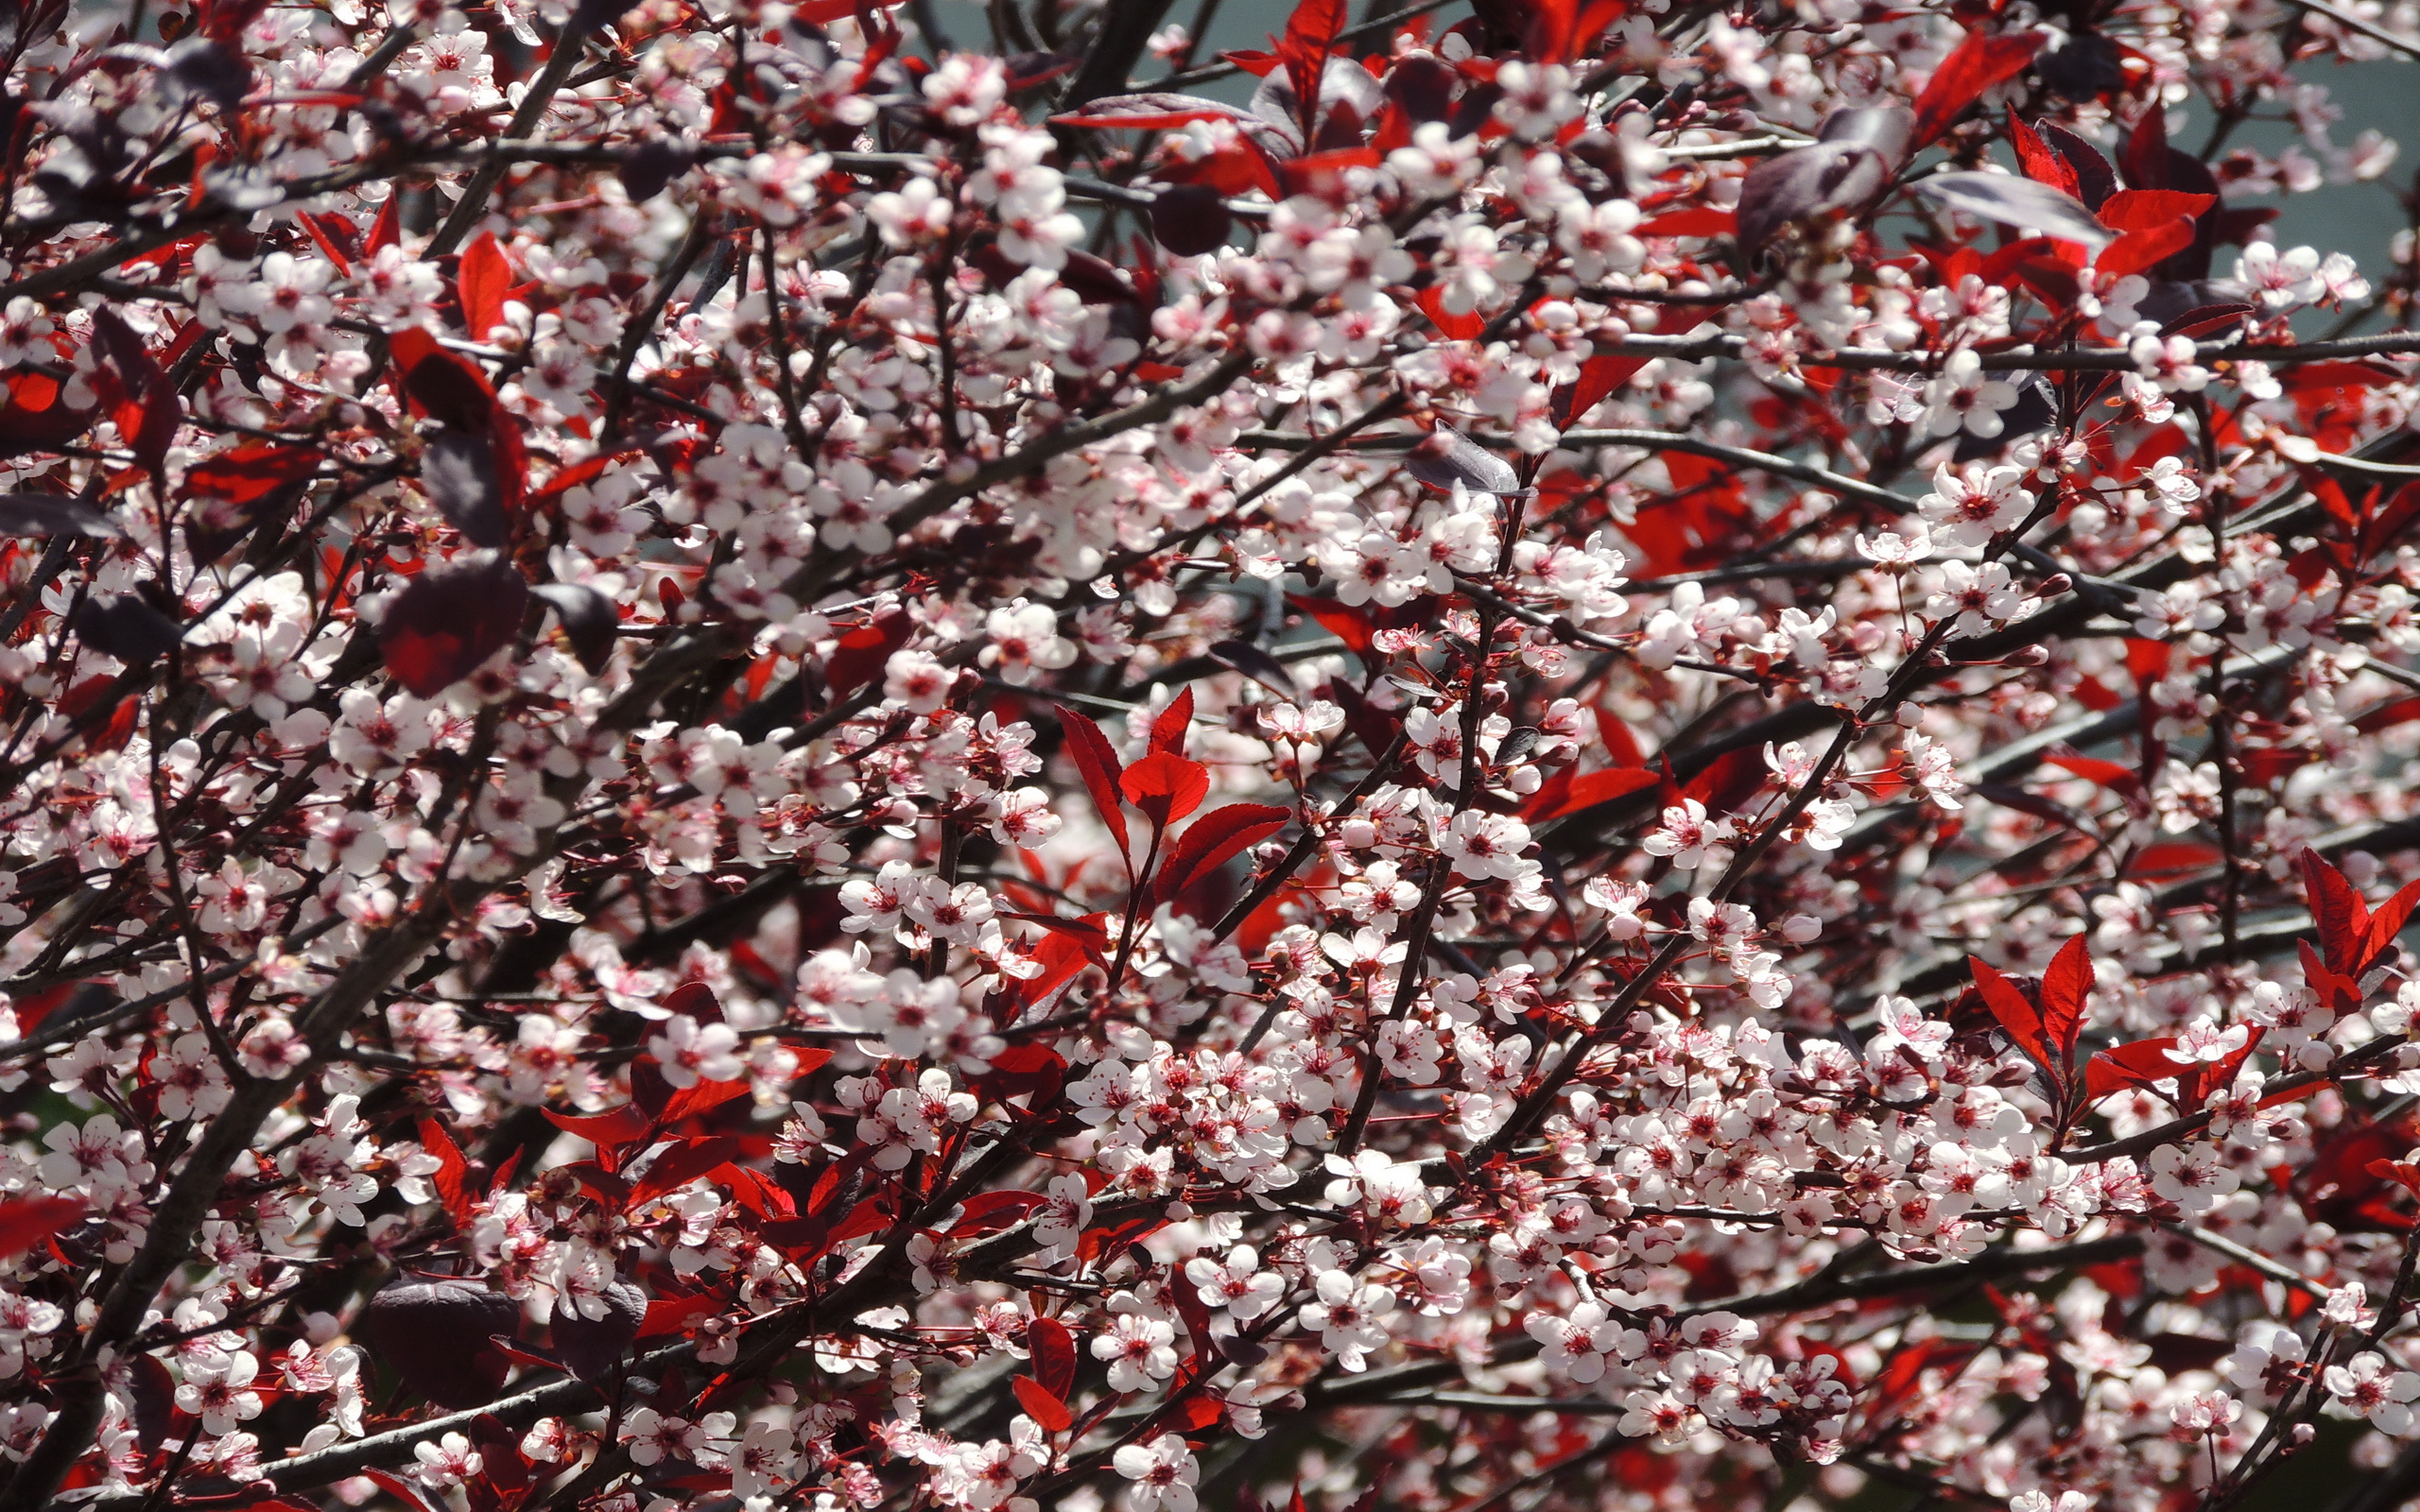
(1615, 755)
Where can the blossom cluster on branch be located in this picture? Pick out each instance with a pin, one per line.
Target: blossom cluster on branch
(1621, 754)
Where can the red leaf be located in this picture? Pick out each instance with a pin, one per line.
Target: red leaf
(1598, 377)
(35, 420)
(1347, 623)
(1704, 221)
(481, 283)
(35, 1221)
(1042, 1405)
(1589, 789)
(2021, 1019)
(2114, 776)
(695, 1000)
(451, 1169)
(989, 1211)
(446, 623)
(2387, 922)
(2337, 909)
(1166, 787)
(396, 1487)
(1452, 327)
(1103, 773)
(2065, 984)
(609, 1132)
(2139, 250)
(1981, 61)
(1169, 731)
(676, 1314)
(2151, 209)
(2139, 1064)
(2040, 163)
(2390, 713)
(2337, 990)
(1053, 1349)
(1310, 36)
(441, 385)
(1210, 840)
(326, 230)
(243, 474)
(864, 651)
(2172, 858)
(706, 1096)
(684, 1162)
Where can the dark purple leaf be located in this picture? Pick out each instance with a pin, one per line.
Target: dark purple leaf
(1191, 219)
(127, 629)
(1254, 663)
(1342, 82)
(652, 166)
(1804, 183)
(2020, 203)
(590, 1347)
(448, 621)
(588, 620)
(2087, 67)
(459, 471)
(50, 514)
(1447, 457)
(1423, 85)
(198, 66)
(1030, 70)
(435, 1334)
(2096, 180)
(1885, 129)
(1156, 111)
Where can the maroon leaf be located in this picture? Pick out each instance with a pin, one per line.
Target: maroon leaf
(1053, 1349)
(1191, 220)
(1209, 841)
(244, 473)
(1981, 61)
(446, 623)
(434, 1332)
(2017, 1014)
(590, 1347)
(1102, 774)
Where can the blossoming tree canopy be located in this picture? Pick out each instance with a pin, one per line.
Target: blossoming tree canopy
(1618, 754)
